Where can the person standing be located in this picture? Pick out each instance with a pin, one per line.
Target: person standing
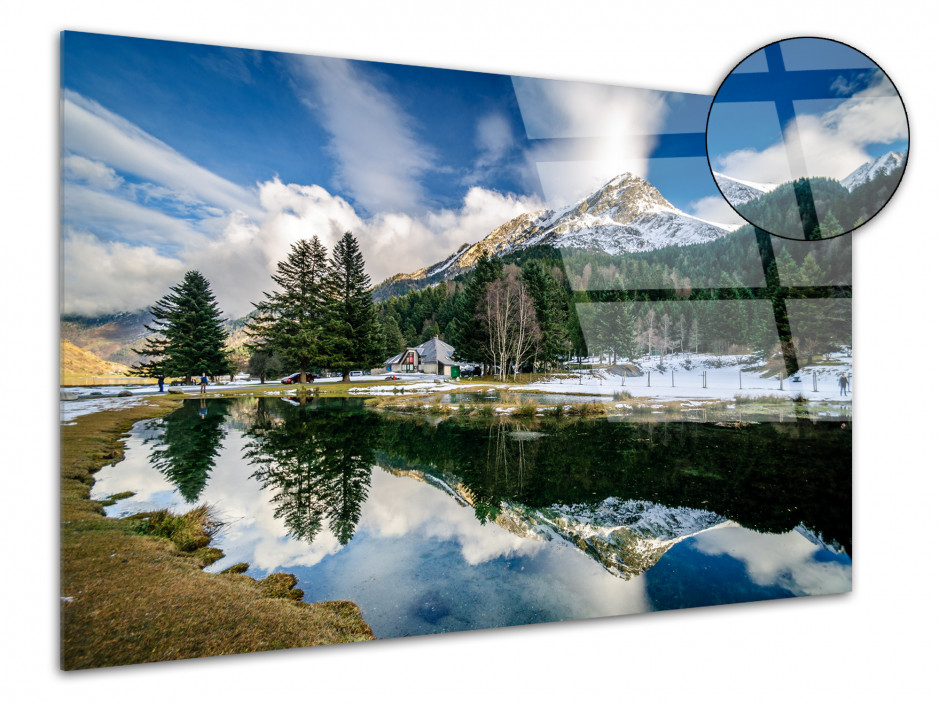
(203, 381)
(843, 385)
(160, 381)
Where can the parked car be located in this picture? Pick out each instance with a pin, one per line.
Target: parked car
(295, 378)
(356, 373)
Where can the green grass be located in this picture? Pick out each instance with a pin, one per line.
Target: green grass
(189, 531)
(766, 399)
(133, 590)
(115, 497)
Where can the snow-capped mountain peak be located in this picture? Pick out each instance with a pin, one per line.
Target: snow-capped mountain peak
(738, 191)
(627, 214)
(869, 170)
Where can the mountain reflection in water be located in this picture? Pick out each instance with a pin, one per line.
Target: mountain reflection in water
(508, 523)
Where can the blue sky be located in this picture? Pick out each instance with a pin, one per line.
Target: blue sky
(180, 156)
(804, 107)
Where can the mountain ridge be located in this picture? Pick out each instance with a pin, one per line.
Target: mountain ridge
(867, 171)
(739, 191)
(627, 214)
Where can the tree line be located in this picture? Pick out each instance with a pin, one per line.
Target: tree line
(529, 310)
(320, 316)
(534, 308)
(316, 460)
(817, 208)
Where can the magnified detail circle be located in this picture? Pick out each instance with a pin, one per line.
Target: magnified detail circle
(807, 138)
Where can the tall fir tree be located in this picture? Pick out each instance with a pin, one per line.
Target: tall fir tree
(470, 341)
(617, 329)
(352, 337)
(188, 333)
(290, 321)
(551, 308)
(392, 340)
(575, 329)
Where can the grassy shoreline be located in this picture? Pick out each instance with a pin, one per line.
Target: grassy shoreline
(130, 595)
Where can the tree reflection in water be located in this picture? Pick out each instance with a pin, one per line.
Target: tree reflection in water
(186, 450)
(319, 462)
(769, 477)
(318, 455)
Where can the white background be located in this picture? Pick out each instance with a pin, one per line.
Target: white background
(878, 642)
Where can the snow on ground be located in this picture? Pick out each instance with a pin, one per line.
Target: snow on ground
(686, 377)
(92, 399)
(70, 410)
(406, 386)
(699, 377)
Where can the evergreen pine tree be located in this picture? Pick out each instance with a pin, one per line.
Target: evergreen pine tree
(189, 337)
(623, 333)
(830, 227)
(290, 321)
(392, 339)
(551, 309)
(351, 331)
(470, 341)
(575, 331)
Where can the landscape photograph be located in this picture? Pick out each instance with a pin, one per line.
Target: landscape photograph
(354, 351)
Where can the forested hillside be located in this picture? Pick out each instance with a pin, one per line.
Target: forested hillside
(817, 208)
(712, 297)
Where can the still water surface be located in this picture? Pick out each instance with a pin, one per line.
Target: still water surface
(435, 525)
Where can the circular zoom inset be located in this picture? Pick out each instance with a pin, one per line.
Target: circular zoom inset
(807, 138)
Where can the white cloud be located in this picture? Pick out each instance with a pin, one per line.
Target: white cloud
(239, 258)
(416, 508)
(90, 172)
(715, 209)
(617, 125)
(293, 212)
(785, 560)
(872, 115)
(396, 243)
(568, 109)
(181, 216)
(98, 134)
(832, 143)
(493, 137)
(103, 277)
(112, 214)
(391, 242)
(380, 159)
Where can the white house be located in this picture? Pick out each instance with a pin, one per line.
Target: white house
(432, 356)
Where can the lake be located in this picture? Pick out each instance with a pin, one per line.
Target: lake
(436, 524)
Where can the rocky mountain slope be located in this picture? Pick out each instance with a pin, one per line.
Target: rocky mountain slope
(112, 337)
(627, 537)
(76, 361)
(738, 191)
(867, 171)
(628, 214)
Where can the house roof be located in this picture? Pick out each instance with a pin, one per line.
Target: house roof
(433, 350)
(400, 357)
(436, 350)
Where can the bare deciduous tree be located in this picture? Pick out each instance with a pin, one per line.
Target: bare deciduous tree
(509, 320)
(650, 330)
